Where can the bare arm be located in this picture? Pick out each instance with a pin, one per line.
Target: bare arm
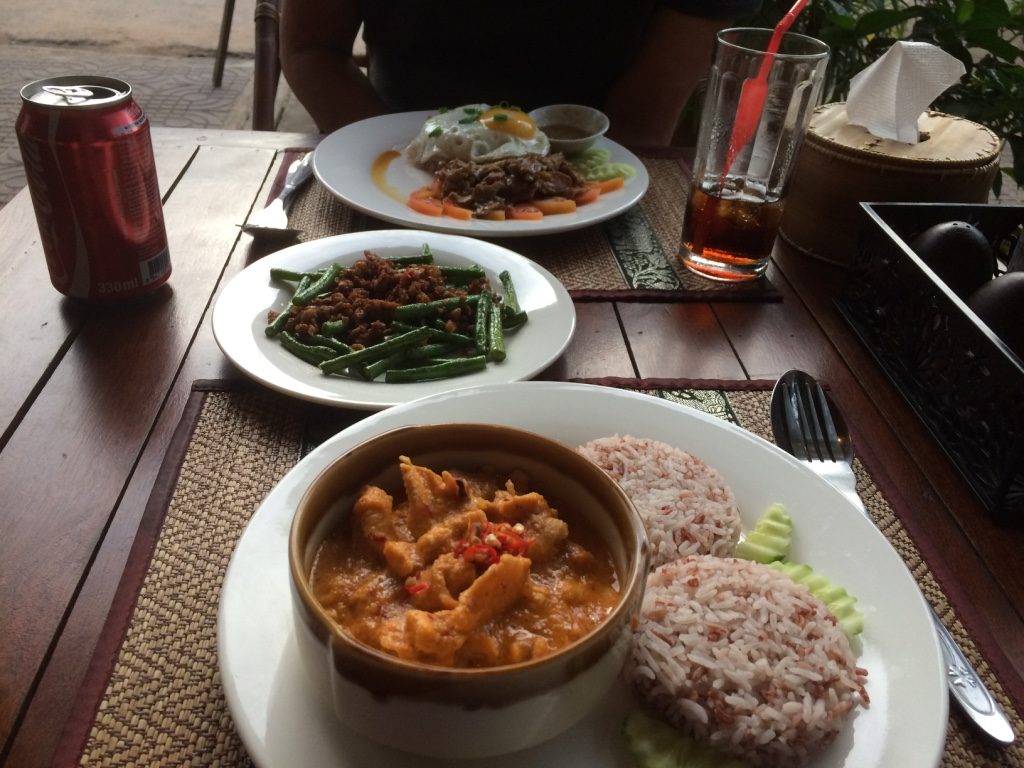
(316, 59)
(644, 104)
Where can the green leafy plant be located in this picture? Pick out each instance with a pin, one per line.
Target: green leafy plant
(986, 35)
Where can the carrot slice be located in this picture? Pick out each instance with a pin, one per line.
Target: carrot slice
(554, 205)
(498, 214)
(524, 211)
(610, 185)
(424, 192)
(430, 206)
(589, 194)
(456, 211)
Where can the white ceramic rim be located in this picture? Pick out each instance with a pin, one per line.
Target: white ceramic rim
(239, 317)
(281, 726)
(342, 164)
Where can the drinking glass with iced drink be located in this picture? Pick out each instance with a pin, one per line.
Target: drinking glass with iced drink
(739, 187)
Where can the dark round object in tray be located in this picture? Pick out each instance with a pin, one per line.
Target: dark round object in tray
(959, 253)
(999, 303)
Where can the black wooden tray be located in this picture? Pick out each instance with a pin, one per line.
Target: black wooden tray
(963, 382)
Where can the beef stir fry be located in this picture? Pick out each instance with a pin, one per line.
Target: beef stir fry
(367, 294)
(484, 187)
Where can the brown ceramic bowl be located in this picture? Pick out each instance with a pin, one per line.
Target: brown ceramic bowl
(478, 712)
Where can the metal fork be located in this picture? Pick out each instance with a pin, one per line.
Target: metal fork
(807, 425)
(814, 437)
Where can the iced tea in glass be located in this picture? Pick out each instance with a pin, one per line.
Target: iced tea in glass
(735, 205)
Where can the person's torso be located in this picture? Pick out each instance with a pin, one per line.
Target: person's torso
(426, 55)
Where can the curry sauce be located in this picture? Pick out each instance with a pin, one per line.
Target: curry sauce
(470, 570)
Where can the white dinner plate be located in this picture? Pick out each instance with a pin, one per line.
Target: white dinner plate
(282, 724)
(240, 316)
(343, 159)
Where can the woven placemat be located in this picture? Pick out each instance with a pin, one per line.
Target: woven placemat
(153, 695)
(631, 257)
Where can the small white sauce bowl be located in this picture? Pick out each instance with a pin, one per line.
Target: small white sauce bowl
(587, 122)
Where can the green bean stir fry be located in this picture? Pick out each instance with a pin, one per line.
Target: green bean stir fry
(418, 340)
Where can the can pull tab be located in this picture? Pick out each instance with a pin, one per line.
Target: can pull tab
(72, 94)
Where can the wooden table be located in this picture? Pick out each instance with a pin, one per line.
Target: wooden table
(92, 395)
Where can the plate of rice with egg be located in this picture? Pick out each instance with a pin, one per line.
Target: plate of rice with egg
(476, 169)
(779, 627)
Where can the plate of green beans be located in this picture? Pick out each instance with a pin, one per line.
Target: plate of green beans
(492, 316)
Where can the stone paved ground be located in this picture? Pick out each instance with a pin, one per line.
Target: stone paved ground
(175, 91)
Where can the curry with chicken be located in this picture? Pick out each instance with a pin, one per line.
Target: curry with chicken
(470, 570)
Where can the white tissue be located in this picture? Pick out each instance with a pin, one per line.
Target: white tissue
(888, 96)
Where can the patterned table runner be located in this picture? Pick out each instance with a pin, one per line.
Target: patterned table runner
(631, 257)
(153, 694)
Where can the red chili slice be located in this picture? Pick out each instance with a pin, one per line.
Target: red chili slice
(480, 553)
(416, 587)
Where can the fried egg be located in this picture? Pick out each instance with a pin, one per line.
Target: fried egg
(477, 132)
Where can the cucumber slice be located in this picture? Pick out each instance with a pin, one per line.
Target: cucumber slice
(595, 165)
(840, 603)
(656, 744)
(770, 539)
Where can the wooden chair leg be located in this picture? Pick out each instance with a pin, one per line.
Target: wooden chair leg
(222, 43)
(267, 66)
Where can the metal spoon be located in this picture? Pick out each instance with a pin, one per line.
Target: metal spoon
(806, 424)
(272, 221)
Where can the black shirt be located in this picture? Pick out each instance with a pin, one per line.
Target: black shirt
(443, 53)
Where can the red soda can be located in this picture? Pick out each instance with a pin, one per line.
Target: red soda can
(89, 164)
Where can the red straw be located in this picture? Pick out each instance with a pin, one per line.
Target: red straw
(748, 112)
